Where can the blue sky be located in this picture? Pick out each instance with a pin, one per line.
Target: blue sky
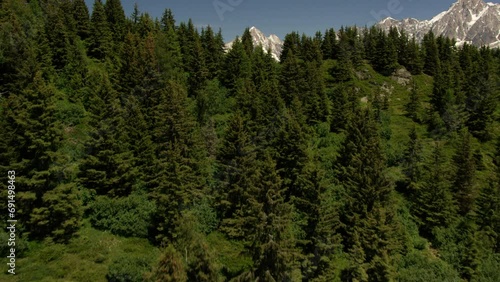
(281, 17)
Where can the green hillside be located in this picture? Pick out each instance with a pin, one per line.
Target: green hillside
(138, 149)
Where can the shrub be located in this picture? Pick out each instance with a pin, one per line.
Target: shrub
(128, 269)
(416, 267)
(129, 216)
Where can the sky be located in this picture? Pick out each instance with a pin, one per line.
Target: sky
(284, 16)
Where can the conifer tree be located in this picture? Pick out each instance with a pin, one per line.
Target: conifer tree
(82, 18)
(47, 203)
(239, 175)
(344, 105)
(170, 268)
(464, 178)
(342, 71)
(237, 66)
(311, 50)
(131, 70)
(413, 107)
(116, 19)
(329, 44)
(479, 91)
(108, 167)
(100, 35)
(431, 54)
(488, 204)
(168, 20)
(58, 37)
(247, 41)
(25, 48)
(433, 202)
(168, 50)
(213, 51)
(179, 174)
(386, 54)
(193, 57)
(290, 43)
(414, 62)
(273, 245)
(412, 162)
(145, 25)
(368, 215)
(270, 239)
(291, 78)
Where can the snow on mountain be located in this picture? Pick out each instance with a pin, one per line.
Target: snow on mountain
(473, 21)
(272, 43)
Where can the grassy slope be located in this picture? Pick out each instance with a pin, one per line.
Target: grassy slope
(85, 258)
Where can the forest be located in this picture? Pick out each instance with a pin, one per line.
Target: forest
(145, 151)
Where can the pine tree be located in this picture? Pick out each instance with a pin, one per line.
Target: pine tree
(342, 71)
(271, 243)
(193, 57)
(464, 184)
(199, 258)
(433, 202)
(291, 44)
(100, 35)
(344, 103)
(168, 49)
(431, 54)
(329, 44)
(58, 37)
(213, 51)
(479, 92)
(170, 268)
(131, 71)
(24, 46)
(239, 175)
(179, 173)
(82, 19)
(368, 212)
(47, 203)
(414, 62)
(311, 50)
(237, 66)
(413, 107)
(291, 78)
(108, 167)
(412, 162)
(385, 59)
(488, 204)
(247, 41)
(168, 20)
(116, 19)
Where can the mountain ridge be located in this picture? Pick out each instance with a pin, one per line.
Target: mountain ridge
(271, 42)
(474, 22)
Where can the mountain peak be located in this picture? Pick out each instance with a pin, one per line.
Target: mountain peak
(468, 21)
(272, 43)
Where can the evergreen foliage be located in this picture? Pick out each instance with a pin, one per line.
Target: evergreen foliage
(143, 150)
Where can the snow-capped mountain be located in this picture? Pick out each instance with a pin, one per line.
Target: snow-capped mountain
(473, 21)
(272, 42)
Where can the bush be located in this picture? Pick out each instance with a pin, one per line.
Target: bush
(416, 267)
(128, 269)
(129, 216)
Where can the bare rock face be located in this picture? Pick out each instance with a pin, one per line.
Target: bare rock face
(272, 43)
(468, 21)
(402, 76)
